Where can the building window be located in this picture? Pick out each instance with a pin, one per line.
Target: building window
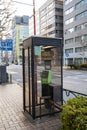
(52, 32)
(69, 10)
(85, 37)
(85, 48)
(78, 39)
(78, 60)
(69, 21)
(43, 18)
(50, 13)
(69, 31)
(50, 5)
(58, 10)
(51, 19)
(85, 25)
(81, 15)
(69, 50)
(69, 41)
(67, 1)
(79, 27)
(81, 3)
(43, 11)
(50, 26)
(78, 49)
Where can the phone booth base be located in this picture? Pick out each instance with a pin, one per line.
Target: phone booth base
(42, 76)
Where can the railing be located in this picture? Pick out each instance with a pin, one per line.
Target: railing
(68, 92)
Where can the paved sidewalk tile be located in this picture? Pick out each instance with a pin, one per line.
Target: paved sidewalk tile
(11, 112)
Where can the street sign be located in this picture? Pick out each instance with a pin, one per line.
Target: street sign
(7, 45)
(67, 55)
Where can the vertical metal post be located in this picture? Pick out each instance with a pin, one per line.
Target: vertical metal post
(10, 78)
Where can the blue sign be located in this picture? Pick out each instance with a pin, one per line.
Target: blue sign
(67, 54)
(7, 45)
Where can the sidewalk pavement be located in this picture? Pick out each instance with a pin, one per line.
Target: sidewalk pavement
(11, 112)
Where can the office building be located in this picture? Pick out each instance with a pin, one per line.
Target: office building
(75, 31)
(20, 31)
(51, 18)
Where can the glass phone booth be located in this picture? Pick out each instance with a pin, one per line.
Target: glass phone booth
(42, 76)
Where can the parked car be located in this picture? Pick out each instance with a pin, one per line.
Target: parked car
(16, 62)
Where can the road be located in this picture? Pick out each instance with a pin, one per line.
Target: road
(16, 72)
(74, 80)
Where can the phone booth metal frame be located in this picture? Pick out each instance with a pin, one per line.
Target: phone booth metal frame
(42, 76)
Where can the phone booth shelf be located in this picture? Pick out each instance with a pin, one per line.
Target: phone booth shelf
(42, 76)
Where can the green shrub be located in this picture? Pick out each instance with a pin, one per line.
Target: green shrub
(83, 65)
(74, 114)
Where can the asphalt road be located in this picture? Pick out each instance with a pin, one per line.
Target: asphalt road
(75, 80)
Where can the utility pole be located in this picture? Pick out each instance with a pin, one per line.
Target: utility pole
(34, 17)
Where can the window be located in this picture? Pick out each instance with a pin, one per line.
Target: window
(58, 9)
(50, 19)
(69, 50)
(85, 25)
(78, 39)
(78, 60)
(69, 21)
(77, 28)
(50, 5)
(43, 11)
(67, 1)
(50, 12)
(69, 10)
(81, 15)
(85, 37)
(85, 48)
(81, 3)
(50, 26)
(78, 49)
(80, 27)
(43, 18)
(69, 41)
(52, 32)
(69, 31)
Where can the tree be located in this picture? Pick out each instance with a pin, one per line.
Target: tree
(6, 14)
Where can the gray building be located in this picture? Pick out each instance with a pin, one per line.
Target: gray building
(51, 18)
(75, 31)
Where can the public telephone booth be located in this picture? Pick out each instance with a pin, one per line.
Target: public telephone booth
(42, 76)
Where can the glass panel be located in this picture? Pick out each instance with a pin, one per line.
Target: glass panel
(26, 82)
(30, 83)
(47, 77)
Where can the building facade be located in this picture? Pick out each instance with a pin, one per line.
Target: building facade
(51, 19)
(75, 31)
(20, 31)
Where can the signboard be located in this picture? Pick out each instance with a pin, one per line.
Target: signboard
(67, 55)
(7, 45)
(47, 55)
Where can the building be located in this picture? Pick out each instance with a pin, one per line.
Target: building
(20, 31)
(75, 31)
(51, 19)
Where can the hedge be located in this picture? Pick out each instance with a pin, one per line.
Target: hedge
(74, 114)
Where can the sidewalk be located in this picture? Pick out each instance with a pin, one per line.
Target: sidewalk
(11, 112)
